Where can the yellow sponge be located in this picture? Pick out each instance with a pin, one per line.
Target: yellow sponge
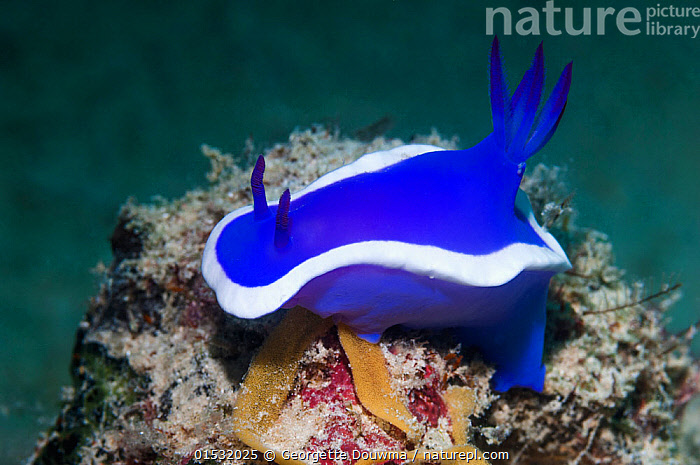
(373, 385)
(271, 375)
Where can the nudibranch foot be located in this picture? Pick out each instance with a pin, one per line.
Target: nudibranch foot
(466, 251)
(515, 346)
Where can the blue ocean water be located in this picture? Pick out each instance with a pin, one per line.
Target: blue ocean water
(106, 100)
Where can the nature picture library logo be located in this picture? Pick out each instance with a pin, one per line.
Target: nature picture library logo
(660, 19)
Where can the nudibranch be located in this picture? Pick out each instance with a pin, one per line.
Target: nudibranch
(416, 236)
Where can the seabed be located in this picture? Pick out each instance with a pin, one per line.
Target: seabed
(159, 369)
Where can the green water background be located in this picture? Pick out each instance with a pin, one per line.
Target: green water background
(100, 101)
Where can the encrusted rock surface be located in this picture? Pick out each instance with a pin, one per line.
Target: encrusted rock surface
(157, 364)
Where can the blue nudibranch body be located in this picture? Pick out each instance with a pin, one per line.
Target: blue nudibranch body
(415, 235)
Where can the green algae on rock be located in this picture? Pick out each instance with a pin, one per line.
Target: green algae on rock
(157, 365)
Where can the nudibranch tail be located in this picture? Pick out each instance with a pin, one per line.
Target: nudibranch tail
(518, 130)
(282, 221)
(261, 211)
